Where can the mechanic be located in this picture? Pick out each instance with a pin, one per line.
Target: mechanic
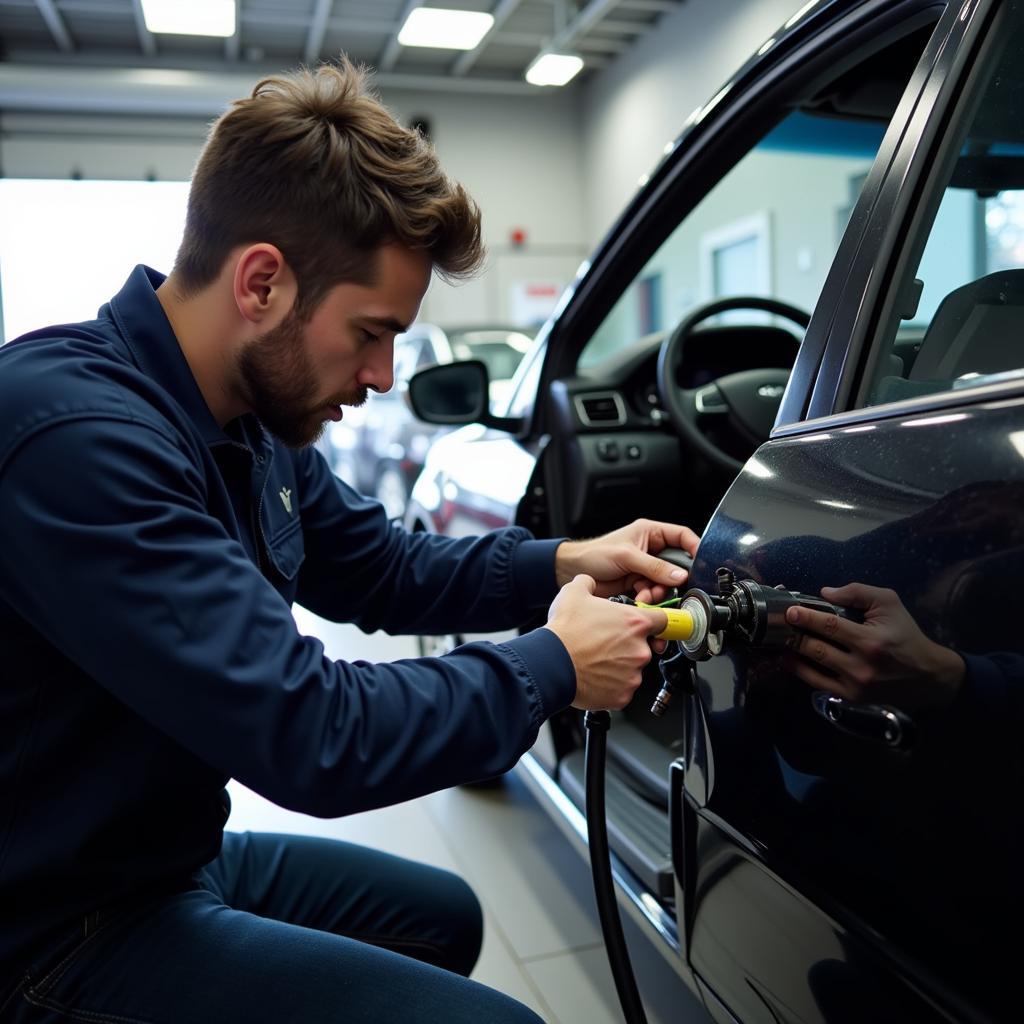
(161, 508)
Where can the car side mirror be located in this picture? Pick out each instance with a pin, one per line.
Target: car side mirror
(455, 394)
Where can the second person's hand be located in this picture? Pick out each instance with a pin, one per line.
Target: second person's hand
(607, 642)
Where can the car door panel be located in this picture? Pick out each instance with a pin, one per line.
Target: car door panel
(908, 852)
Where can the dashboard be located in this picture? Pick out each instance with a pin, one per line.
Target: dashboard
(618, 455)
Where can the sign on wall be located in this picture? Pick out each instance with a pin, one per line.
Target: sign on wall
(532, 302)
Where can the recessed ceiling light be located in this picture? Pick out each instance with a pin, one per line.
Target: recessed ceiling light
(554, 69)
(190, 17)
(444, 29)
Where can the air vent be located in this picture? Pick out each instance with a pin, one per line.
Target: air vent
(601, 409)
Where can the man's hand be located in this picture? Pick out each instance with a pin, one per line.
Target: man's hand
(607, 643)
(625, 562)
(885, 660)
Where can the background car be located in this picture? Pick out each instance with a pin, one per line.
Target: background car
(380, 448)
(800, 855)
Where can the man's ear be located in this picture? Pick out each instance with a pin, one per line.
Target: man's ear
(264, 285)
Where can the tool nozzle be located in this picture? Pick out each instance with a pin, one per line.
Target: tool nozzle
(680, 626)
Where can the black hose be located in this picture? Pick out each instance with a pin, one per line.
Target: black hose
(598, 724)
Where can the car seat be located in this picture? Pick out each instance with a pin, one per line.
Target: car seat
(977, 329)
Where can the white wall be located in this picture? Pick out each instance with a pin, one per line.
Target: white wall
(636, 105)
(520, 159)
(518, 156)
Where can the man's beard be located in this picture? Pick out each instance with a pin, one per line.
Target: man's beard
(280, 386)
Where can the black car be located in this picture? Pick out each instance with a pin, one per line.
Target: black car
(380, 447)
(804, 336)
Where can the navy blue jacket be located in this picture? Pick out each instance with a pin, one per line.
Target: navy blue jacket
(148, 561)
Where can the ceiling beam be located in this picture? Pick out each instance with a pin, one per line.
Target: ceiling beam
(167, 92)
(501, 12)
(55, 23)
(583, 46)
(286, 19)
(146, 40)
(587, 18)
(621, 28)
(317, 29)
(390, 55)
(650, 6)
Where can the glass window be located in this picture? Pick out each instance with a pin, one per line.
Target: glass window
(769, 228)
(501, 350)
(523, 387)
(957, 317)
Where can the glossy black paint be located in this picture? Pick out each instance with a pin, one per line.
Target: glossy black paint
(849, 865)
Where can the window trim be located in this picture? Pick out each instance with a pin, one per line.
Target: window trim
(939, 401)
(926, 201)
(852, 335)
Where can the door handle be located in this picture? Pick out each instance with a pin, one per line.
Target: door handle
(874, 722)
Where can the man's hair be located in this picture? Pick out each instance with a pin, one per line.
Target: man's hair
(313, 163)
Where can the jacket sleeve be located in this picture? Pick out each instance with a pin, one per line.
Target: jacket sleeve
(360, 568)
(110, 553)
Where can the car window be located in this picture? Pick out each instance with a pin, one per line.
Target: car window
(407, 352)
(500, 350)
(957, 306)
(769, 228)
(426, 355)
(523, 388)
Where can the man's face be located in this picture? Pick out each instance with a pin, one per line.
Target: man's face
(297, 376)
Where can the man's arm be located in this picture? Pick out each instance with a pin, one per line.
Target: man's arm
(109, 552)
(359, 568)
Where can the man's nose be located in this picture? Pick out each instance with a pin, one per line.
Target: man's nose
(379, 371)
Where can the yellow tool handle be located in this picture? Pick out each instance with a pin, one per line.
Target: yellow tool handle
(680, 623)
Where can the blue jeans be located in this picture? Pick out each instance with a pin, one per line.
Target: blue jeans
(277, 929)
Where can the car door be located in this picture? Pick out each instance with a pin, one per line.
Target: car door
(852, 853)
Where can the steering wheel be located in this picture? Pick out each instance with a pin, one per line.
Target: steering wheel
(748, 400)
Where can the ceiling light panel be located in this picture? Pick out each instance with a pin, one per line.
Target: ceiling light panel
(190, 17)
(442, 29)
(554, 69)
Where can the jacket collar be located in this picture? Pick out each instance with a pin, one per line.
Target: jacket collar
(141, 321)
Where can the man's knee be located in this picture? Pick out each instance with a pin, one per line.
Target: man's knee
(464, 927)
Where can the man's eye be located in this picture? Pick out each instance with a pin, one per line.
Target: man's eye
(368, 337)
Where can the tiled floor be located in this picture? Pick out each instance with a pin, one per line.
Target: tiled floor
(542, 941)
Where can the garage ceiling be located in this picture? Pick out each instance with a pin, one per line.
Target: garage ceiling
(280, 33)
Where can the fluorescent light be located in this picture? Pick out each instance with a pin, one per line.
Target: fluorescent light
(190, 17)
(444, 29)
(554, 69)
